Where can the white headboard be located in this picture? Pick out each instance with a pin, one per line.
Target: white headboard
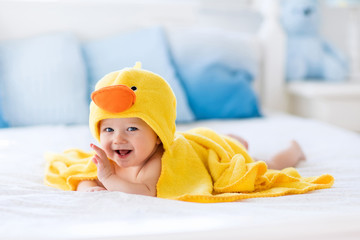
(91, 19)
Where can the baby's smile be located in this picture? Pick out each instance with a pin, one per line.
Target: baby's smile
(123, 153)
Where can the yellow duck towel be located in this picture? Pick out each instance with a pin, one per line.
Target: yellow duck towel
(198, 165)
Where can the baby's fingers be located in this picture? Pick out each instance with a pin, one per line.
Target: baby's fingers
(98, 151)
(96, 189)
(100, 162)
(96, 159)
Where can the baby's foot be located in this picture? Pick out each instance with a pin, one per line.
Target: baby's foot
(240, 139)
(295, 145)
(289, 157)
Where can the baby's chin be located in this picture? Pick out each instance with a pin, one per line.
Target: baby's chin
(122, 162)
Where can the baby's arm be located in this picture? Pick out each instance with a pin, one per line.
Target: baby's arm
(115, 183)
(112, 182)
(89, 186)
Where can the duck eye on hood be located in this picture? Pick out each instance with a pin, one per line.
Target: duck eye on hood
(134, 88)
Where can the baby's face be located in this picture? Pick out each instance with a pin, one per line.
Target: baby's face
(128, 141)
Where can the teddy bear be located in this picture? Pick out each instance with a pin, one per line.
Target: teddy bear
(308, 55)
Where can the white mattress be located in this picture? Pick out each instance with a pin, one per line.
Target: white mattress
(31, 210)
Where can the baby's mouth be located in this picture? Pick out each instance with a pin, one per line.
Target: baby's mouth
(123, 152)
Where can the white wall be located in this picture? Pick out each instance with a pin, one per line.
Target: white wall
(334, 26)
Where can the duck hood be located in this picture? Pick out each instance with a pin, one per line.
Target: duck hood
(134, 92)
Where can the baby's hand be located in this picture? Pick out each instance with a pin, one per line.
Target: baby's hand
(96, 189)
(104, 167)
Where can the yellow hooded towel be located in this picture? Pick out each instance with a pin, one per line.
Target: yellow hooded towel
(197, 165)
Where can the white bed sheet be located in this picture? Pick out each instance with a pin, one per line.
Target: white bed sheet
(31, 210)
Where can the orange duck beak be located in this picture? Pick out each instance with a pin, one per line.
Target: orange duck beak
(114, 99)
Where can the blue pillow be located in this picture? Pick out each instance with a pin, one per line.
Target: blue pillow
(217, 69)
(43, 81)
(149, 46)
(3, 123)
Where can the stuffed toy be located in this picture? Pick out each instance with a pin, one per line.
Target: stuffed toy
(308, 55)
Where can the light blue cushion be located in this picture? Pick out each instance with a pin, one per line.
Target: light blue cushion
(149, 46)
(43, 81)
(217, 69)
(3, 123)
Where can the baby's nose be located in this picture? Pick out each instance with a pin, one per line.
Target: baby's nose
(119, 139)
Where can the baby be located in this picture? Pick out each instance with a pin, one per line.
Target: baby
(132, 115)
(135, 153)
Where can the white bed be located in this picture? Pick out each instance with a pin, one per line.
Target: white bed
(31, 210)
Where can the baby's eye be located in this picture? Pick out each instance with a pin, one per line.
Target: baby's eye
(108, 129)
(131, 129)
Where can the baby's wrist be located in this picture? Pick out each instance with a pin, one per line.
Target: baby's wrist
(106, 179)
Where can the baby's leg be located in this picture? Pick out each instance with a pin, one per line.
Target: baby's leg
(288, 157)
(240, 139)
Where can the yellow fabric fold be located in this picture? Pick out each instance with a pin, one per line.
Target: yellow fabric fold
(203, 166)
(66, 170)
